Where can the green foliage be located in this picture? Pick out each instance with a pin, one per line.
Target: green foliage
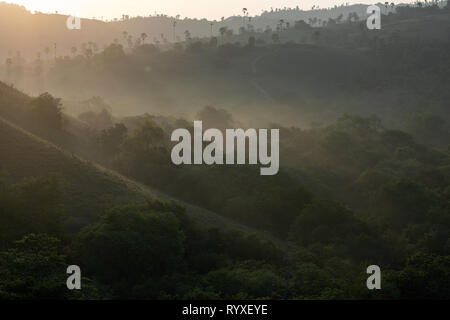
(46, 110)
(32, 206)
(350, 192)
(111, 139)
(245, 283)
(425, 276)
(404, 202)
(35, 268)
(428, 128)
(130, 245)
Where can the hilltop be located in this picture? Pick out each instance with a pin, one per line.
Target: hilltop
(38, 33)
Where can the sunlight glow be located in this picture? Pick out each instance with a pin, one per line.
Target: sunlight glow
(210, 9)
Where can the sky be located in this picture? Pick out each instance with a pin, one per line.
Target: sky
(210, 9)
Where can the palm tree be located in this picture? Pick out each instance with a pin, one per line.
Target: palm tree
(143, 37)
(212, 24)
(281, 24)
(89, 53)
(174, 29)
(8, 66)
(187, 35)
(47, 51)
(275, 38)
(222, 32)
(245, 12)
(130, 41)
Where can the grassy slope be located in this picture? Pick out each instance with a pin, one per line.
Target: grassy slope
(87, 186)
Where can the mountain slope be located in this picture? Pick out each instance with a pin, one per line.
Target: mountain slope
(88, 187)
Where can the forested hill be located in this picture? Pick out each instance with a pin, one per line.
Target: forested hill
(84, 187)
(33, 33)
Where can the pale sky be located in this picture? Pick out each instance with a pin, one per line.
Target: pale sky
(210, 9)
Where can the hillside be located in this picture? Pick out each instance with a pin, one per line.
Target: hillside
(88, 187)
(359, 134)
(33, 33)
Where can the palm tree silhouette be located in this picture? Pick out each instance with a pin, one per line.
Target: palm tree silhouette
(8, 66)
(245, 12)
(174, 29)
(47, 51)
(143, 37)
(222, 31)
(187, 35)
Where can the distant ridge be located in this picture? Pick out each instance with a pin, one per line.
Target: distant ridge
(39, 32)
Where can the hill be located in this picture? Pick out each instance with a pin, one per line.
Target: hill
(88, 187)
(46, 34)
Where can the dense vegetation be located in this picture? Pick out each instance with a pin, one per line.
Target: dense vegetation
(367, 181)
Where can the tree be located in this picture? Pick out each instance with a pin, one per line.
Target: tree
(251, 42)
(35, 268)
(428, 128)
(325, 222)
(130, 41)
(125, 36)
(212, 25)
(187, 36)
(32, 206)
(213, 42)
(174, 30)
(8, 66)
(112, 139)
(143, 37)
(301, 25)
(245, 13)
(46, 111)
(425, 276)
(47, 52)
(275, 38)
(223, 31)
(74, 51)
(215, 118)
(131, 246)
(146, 144)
